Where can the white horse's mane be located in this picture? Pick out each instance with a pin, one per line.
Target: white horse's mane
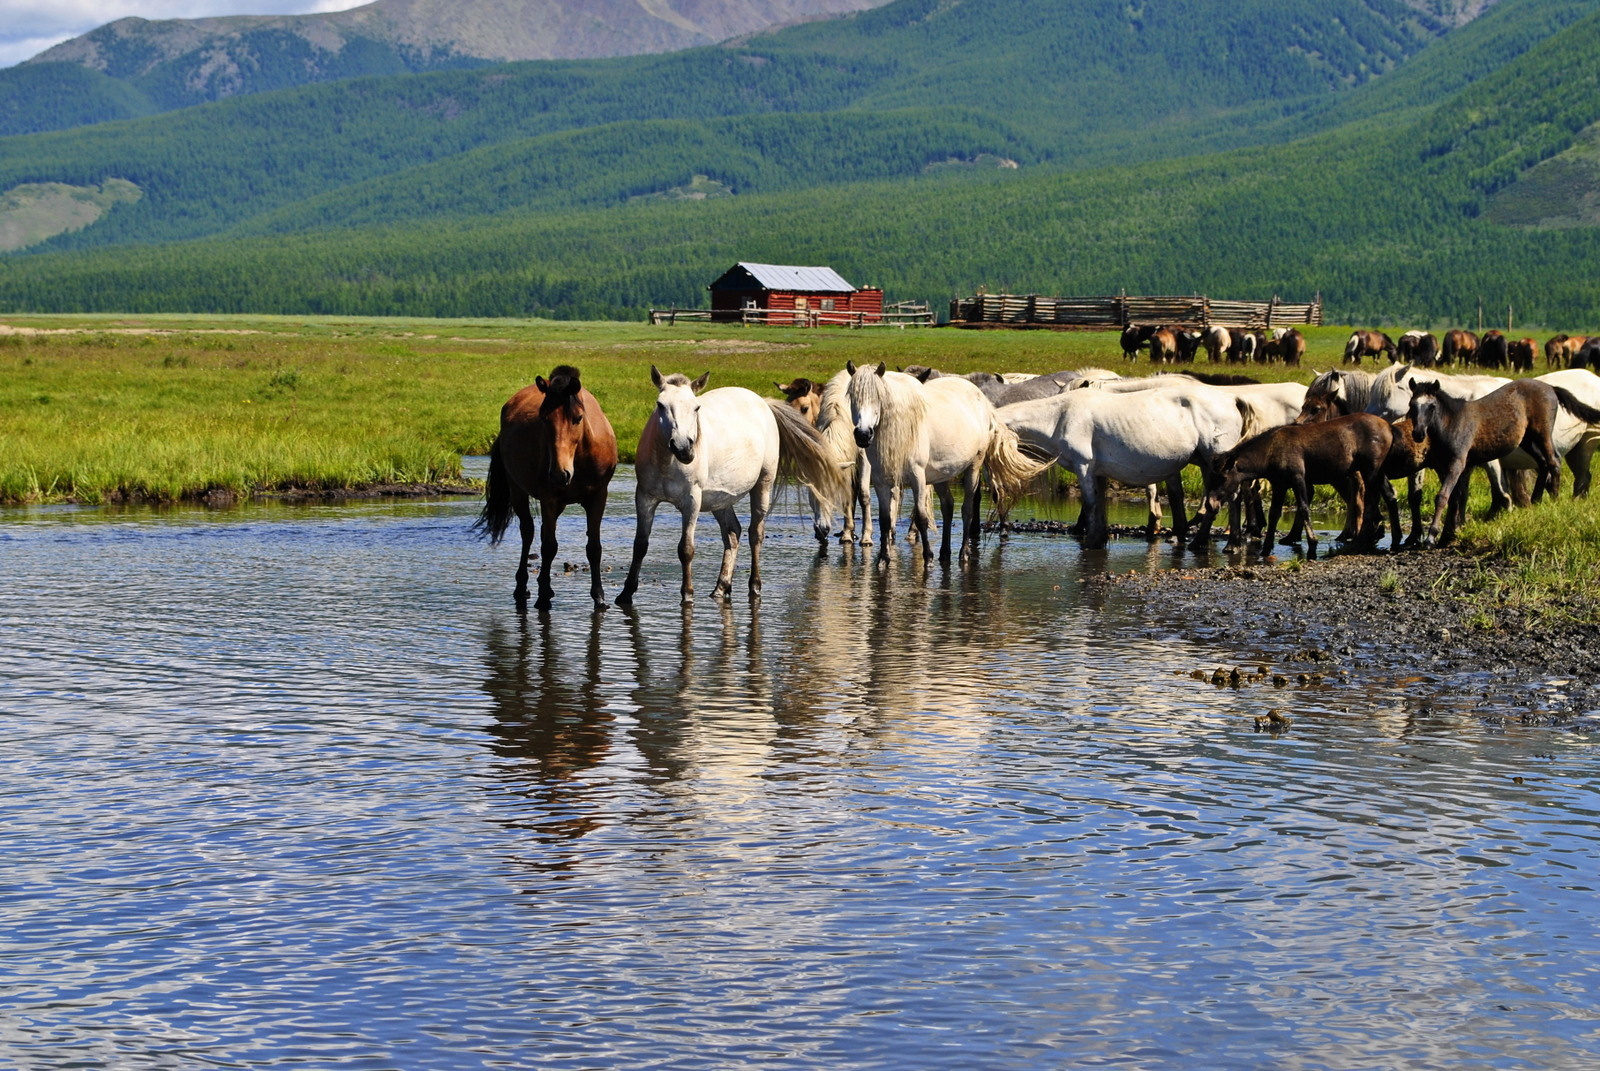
(901, 411)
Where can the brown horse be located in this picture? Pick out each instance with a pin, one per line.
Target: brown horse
(1460, 347)
(1349, 451)
(1289, 347)
(1419, 348)
(1368, 344)
(1164, 345)
(1492, 349)
(1465, 433)
(554, 445)
(1521, 354)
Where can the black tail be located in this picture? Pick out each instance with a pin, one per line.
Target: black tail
(1571, 404)
(496, 515)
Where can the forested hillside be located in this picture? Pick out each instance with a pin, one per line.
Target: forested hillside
(509, 196)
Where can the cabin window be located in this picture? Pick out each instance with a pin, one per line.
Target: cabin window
(827, 304)
(801, 303)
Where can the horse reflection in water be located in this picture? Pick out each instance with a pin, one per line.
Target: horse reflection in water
(551, 726)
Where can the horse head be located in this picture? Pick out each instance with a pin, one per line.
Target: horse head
(805, 397)
(866, 400)
(561, 412)
(1424, 408)
(678, 411)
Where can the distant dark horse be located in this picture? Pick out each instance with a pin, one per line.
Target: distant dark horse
(1368, 344)
(554, 445)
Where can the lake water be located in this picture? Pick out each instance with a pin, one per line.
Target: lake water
(298, 787)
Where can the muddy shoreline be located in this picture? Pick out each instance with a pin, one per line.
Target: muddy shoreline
(1429, 623)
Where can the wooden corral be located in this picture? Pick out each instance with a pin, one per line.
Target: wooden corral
(1122, 310)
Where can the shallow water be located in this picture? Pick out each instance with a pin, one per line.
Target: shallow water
(296, 786)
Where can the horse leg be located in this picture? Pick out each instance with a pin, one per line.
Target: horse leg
(1578, 461)
(1152, 502)
(1499, 496)
(921, 513)
(1302, 509)
(691, 517)
(822, 527)
(863, 487)
(971, 512)
(550, 510)
(519, 505)
(760, 503)
(1414, 505)
(1279, 492)
(1178, 508)
(645, 507)
(728, 521)
(1097, 532)
(947, 510)
(1442, 505)
(594, 511)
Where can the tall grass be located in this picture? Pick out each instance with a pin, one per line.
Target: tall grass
(1547, 557)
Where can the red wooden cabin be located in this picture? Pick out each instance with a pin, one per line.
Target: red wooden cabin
(792, 294)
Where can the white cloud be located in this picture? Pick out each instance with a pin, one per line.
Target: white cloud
(31, 26)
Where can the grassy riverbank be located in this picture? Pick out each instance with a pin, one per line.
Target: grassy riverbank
(161, 408)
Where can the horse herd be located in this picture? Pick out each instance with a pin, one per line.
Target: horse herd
(869, 427)
(1180, 344)
(1492, 350)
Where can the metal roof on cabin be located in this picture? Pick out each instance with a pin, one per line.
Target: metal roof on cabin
(790, 277)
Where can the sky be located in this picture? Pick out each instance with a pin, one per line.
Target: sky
(28, 27)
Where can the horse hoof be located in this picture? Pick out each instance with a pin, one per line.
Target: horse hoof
(625, 599)
(542, 603)
(600, 606)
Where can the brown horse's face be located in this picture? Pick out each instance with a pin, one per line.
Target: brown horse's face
(805, 398)
(563, 417)
(1423, 410)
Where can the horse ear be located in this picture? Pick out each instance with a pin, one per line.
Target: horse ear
(655, 377)
(883, 367)
(700, 384)
(539, 381)
(850, 367)
(922, 376)
(816, 388)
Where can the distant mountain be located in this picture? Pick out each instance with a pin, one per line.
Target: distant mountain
(187, 61)
(1373, 155)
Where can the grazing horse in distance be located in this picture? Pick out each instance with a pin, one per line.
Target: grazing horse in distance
(1588, 355)
(1164, 345)
(1134, 338)
(706, 451)
(555, 445)
(1419, 348)
(1476, 431)
(1287, 345)
(827, 407)
(932, 434)
(1521, 354)
(1492, 350)
(1460, 347)
(1217, 342)
(1368, 344)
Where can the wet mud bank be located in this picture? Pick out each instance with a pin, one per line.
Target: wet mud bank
(1428, 624)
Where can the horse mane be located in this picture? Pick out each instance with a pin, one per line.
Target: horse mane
(675, 379)
(901, 412)
(834, 419)
(561, 390)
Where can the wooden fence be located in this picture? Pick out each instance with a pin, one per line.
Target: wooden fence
(902, 314)
(1123, 310)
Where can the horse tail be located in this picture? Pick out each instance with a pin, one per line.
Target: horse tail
(1010, 470)
(803, 451)
(496, 516)
(1251, 423)
(834, 421)
(1569, 402)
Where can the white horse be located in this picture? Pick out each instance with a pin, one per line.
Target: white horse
(831, 416)
(706, 452)
(1139, 437)
(919, 434)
